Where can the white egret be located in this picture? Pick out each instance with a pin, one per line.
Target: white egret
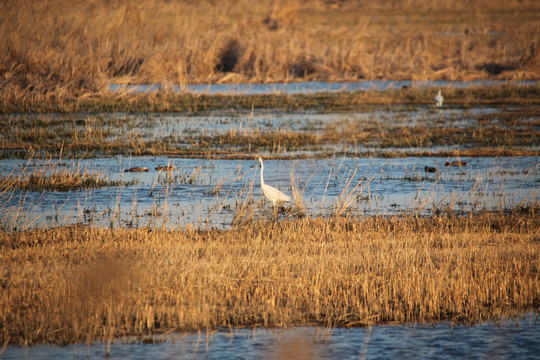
(439, 99)
(271, 193)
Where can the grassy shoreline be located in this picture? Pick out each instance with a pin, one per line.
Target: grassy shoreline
(80, 284)
(167, 101)
(92, 131)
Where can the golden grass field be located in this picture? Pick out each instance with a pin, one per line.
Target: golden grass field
(80, 284)
(59, 50)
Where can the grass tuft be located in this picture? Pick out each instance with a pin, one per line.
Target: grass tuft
(56, 177)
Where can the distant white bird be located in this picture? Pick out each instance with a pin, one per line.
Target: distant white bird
(271, 193)
(439, 99)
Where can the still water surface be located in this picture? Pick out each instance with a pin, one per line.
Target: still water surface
(312, 87)
(511, 339)
(208, 192)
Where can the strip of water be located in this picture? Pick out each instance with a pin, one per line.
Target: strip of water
(312, 87)
(210, 192)
(507, 339)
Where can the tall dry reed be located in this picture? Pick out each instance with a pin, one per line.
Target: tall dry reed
(60, 50)
(79, 284)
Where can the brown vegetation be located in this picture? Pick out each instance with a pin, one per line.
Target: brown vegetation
(60, 50)
(80, 284)
(170, 101)
(54, 176)
(506, 132)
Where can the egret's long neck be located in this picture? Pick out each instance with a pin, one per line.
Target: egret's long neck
(262, 178)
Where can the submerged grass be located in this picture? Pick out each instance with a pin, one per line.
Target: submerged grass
(55, 176)
(80, 284)
(375, 130)
(63, 180)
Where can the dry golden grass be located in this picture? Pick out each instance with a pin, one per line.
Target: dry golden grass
(59, 49)
(78, 284)
(63, 180)
(54, 175)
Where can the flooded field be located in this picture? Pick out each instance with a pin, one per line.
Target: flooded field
(211, 192)
(507, 339)
(371, 131)
(119, 192)
(383, 160)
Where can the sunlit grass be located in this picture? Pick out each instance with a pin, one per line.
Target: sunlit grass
(55, 177)
(308, 263)
(80, 284)
(66, 58)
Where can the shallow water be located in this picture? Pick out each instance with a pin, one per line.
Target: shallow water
(312, 87)
(212, 131)
(178, 126)
(208, 192)
(211, 192)
(511, 339)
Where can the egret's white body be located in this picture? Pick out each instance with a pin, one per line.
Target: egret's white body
(271, 193)
(439, 99)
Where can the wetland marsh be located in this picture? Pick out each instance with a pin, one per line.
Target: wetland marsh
(382, 194)
(381, 160)
(132, 222)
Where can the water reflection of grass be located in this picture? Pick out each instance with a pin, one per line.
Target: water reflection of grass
(80, 284)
